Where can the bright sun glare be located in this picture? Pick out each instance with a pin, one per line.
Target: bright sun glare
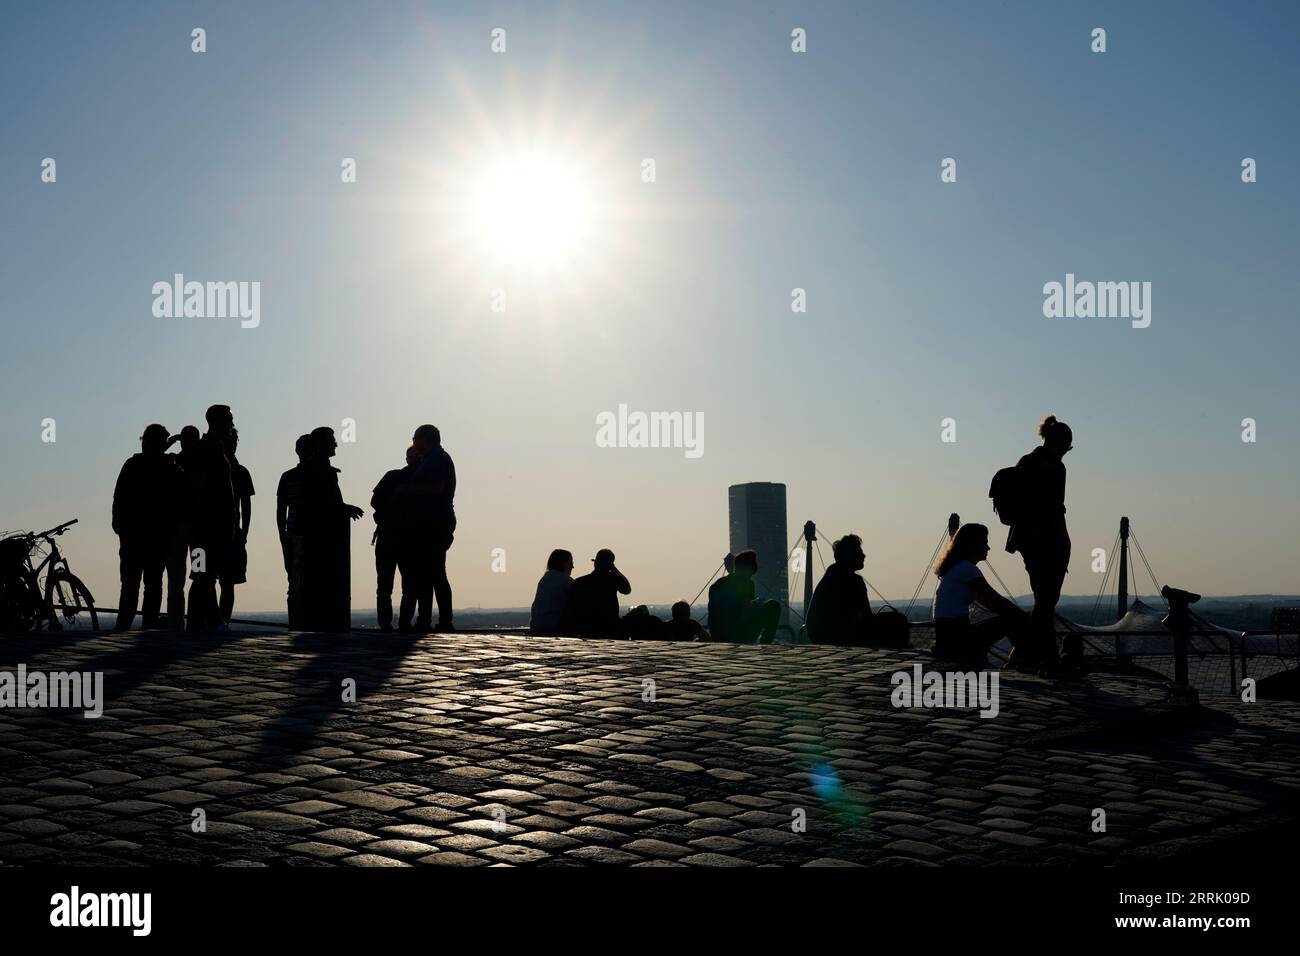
(531, 211)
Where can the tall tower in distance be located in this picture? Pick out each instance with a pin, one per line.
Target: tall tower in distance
(757, 521)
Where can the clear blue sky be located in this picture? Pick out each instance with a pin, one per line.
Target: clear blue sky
(775, 170)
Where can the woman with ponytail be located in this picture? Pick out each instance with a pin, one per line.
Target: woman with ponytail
(1040, 536)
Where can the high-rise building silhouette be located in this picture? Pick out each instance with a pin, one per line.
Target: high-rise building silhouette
(757, 521)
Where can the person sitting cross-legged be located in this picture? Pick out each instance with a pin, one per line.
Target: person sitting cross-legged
(957, 638)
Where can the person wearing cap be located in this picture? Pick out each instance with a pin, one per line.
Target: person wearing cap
(147, 503)
(593, 599)
(322, 518)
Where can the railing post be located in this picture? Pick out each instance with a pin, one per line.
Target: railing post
(1179, 622)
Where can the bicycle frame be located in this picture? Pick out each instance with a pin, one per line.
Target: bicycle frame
(54, 563)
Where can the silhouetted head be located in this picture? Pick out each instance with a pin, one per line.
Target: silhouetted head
(971, 543)
(155, 439)
(412, 456)
(232, 440)
(323, 443)
(302, 448)
(1057, 436)
(219, 420)
(426, 438)
(604, 559)
(681, 611)
(560, 560)
(848, 552)
(747, 562)
(190, 438)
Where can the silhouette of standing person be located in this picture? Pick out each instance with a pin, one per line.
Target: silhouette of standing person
(236, 570)
(1040, 535)
(593, 599)
(178, 554)
(735, 614)
(323, 517)
(428, 510)
(147, 504)
(288, 494)
(213, 530)
(388, 537)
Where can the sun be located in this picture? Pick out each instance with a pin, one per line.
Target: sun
(532, 210)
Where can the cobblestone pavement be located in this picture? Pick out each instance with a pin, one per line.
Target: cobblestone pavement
(469, 750)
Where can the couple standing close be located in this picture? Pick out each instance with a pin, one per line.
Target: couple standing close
(415, 522)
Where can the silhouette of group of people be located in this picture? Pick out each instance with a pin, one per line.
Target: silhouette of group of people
(588, 606)
(1036, 516)
(840, 612)
(415, 523)
(192, 509)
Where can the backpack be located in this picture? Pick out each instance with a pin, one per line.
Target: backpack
(1008, 493)
(890, 628)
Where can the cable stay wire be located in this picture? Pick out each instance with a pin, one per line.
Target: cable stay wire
(1142, 554)
(925, 573)
(1105, 578)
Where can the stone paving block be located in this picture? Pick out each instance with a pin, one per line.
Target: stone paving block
(454, 730)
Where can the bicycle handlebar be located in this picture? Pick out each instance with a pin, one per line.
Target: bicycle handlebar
(59, 530)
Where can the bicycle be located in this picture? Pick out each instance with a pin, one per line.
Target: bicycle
(43, 595)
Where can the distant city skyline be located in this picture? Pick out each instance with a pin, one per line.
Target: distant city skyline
(443, 233)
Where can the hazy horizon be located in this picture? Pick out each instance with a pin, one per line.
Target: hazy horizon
(775, 171)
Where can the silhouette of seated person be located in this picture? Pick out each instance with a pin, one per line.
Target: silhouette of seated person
(956, 638)
(552, 597)
(736, 616)
(639, 624)
(147, 511)
(593, 609)
(840, 611)
(323, 517)
(683, 627)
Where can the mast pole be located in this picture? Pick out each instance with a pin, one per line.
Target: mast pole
(1123, 566)
(809, 536)
(1123, 583)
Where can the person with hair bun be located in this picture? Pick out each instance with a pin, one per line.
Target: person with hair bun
(1041, 538)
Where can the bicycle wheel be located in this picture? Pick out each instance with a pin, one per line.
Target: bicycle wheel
(70, 600)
